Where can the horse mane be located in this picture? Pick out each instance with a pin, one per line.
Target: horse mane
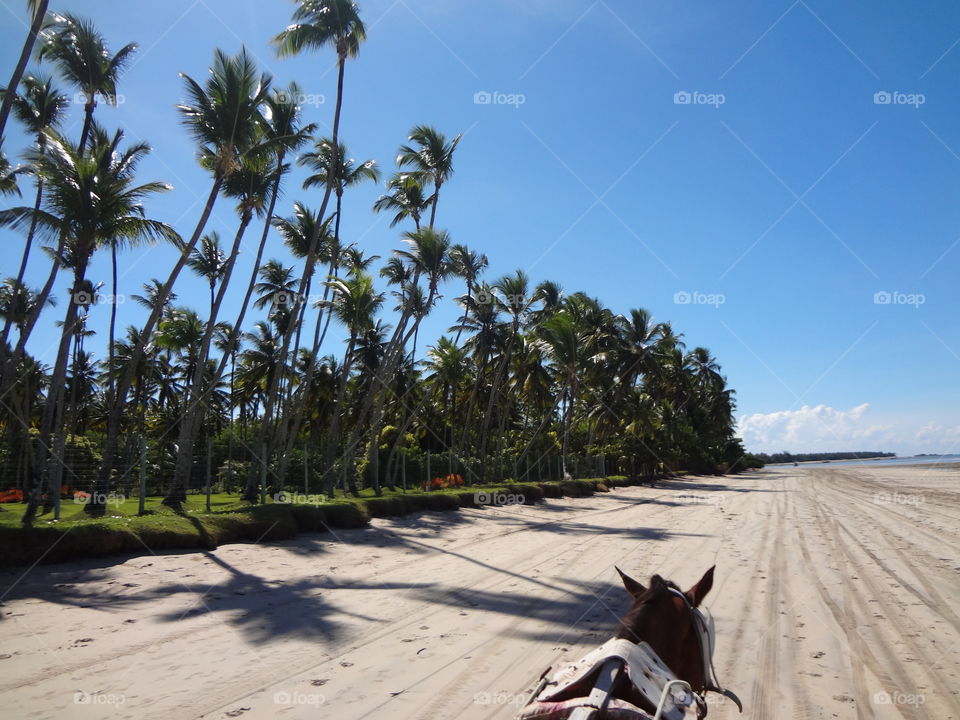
(658, 586)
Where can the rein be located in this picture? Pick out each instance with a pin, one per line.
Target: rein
(705, 640)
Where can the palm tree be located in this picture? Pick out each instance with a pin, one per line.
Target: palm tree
(208, 262)
(81, 55)
(316, 25)
(428, 258)
(251, 183)
(467, 265)
(405, 198)
(283, 133)
(331, 167)
(563, 342)
(431, 160)
(354, 303)
(40, 107)
(9, 175)
(515, 300)
(91, 200)
(18, 303)
(38, 12)
(223, 116)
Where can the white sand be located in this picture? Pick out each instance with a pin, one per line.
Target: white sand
(837, 596)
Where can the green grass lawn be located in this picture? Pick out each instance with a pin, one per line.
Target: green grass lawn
(71, 511)
(230, 519)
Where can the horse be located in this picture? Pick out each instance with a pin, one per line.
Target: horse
(664, 640)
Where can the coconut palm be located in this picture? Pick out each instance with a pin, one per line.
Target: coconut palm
(38, 107)
(316, 25)
(431, 159)
(354, 303)
(91, 199)
(223, 117)
(405, 198)
(83, 59)
(283, 133)
(38, 12)
(468, 265)
(251, 184)
(208, 262)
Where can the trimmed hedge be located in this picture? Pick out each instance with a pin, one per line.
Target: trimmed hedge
(166, 530)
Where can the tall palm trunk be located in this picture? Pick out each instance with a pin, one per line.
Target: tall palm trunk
(88, 109)
(494, 392)
(380, 387)
(330, 445)
(26, 256)
(113, 316)
(289, 432)
(40, 13)
(436, 200)
(51, 425)
(309, 265)
(195, 402)
(117, 403)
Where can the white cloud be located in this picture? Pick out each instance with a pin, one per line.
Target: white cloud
(826, 429)
(815, 429)
(934, 437)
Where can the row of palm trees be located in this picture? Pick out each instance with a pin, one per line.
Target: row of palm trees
(526, 372)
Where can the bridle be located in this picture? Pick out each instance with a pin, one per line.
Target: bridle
(704, 632)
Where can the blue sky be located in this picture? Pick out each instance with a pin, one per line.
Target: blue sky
(785, 202)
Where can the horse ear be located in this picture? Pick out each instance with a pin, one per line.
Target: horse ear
(632, 586)
(698, 592)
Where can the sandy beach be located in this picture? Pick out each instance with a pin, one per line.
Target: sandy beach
(836, 597)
